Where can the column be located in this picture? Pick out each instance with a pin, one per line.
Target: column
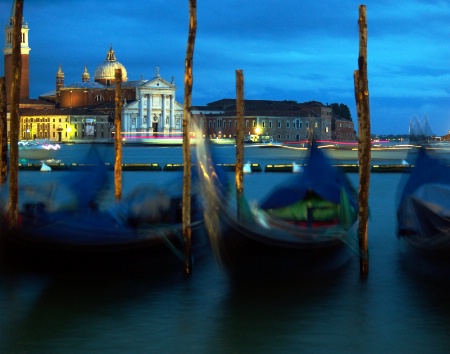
(125, 120)
(166, 126)
(140, 113)
(149, 114)
(172, 121)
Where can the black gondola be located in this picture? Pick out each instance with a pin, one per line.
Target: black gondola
(305, 227)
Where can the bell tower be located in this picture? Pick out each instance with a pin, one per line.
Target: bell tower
(24, 51)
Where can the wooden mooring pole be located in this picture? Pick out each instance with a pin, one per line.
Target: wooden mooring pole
(364, 143)
(239, 139)
(14, 116)
(188, 82)
(118, 136)
(3, 133)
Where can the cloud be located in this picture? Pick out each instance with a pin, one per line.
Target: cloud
(288, 49)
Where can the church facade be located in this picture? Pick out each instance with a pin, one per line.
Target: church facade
(155, 112)
(149, 106)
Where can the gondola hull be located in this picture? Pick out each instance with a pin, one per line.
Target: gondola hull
(259, 253)
(97, 243)
(251, 243)
(423, 215)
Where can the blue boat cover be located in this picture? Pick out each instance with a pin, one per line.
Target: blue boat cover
(319, 176)
(428, 168)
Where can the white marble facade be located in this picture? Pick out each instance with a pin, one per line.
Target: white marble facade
(155, 111)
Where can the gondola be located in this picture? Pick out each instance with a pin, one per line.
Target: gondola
(423, 212)
(305, 227)
(63, 231)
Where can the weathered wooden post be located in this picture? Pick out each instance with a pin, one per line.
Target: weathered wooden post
(3, 133)
(364, 143)
(239, 139)
(118, 135)
(14, 116)
(188, 82)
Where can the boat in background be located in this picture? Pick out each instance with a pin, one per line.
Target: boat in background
(423, 213)
(154, 138)
(37, 149)
(304, 228)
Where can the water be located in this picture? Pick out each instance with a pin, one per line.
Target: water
(395, 310)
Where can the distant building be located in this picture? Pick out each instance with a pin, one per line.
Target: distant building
(285, 121)
(149, 106)
(343, 129)
(63, 124)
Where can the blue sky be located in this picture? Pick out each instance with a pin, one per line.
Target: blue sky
(288, 49)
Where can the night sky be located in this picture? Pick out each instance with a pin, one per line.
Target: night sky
(288, 49)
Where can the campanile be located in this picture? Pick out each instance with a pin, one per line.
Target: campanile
(24, 51)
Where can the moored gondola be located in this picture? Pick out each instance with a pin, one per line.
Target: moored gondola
(305, 227)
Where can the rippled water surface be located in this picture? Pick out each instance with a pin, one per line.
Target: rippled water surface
(396, 309)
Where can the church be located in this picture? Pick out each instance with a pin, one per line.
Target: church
(84, 109)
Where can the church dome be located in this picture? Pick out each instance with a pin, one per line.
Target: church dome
(105, 72)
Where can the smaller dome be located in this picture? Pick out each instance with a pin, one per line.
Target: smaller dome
(106, 71)
(85, 77)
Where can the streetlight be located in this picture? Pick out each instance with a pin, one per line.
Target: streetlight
(69, 130)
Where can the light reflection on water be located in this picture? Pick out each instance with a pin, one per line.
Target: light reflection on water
(394, 310)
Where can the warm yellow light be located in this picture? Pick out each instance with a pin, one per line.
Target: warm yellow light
(69, 130)
(257, 130)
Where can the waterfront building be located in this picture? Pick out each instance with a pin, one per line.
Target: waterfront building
(155, 112)
(64, 124)
(284, 121)
(343, 129)
(149, 106)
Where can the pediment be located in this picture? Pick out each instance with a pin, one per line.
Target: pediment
(159, 83)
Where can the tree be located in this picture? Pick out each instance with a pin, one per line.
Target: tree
(341, 110)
